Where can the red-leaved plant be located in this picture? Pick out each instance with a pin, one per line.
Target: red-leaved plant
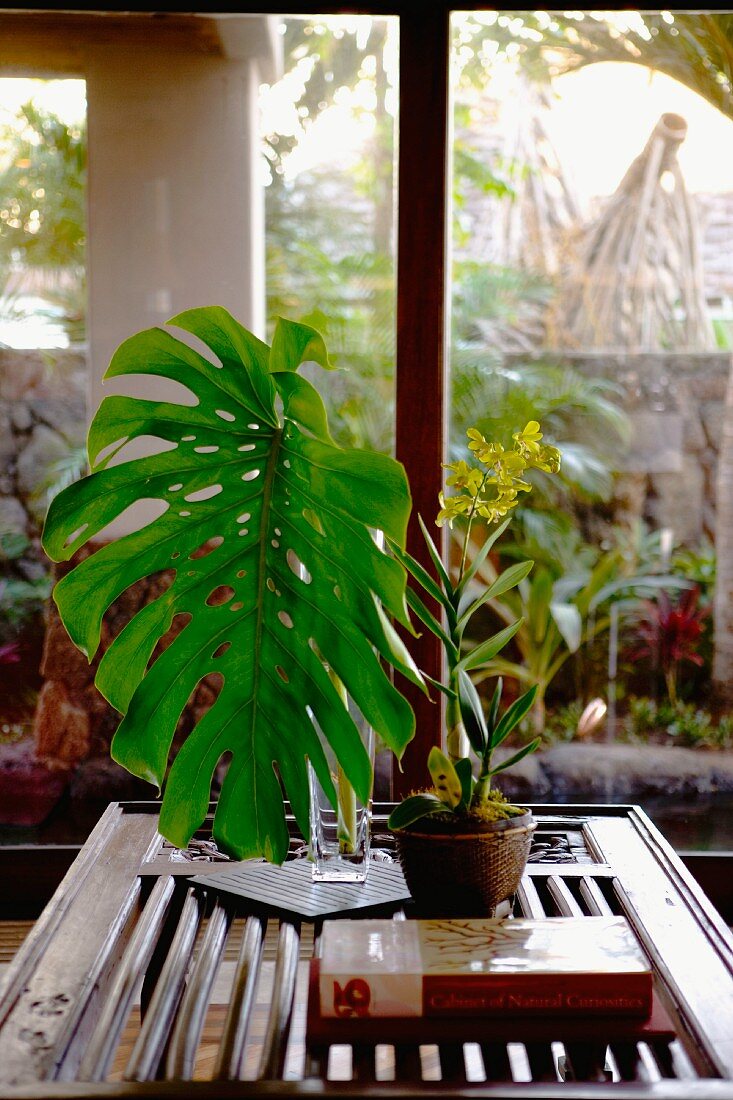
(670, 634)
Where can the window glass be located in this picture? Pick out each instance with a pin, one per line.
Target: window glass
(592, 231)
(329, 140)
(235, 160)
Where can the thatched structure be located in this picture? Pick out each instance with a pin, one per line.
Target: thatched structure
(635, 280)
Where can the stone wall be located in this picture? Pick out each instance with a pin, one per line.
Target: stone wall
(42, 421)
(675, 401)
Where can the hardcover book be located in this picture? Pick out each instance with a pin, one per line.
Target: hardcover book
(559, 965)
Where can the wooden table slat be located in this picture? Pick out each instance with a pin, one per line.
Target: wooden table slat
(127, 979)
(158, 1021)
(248, 1023)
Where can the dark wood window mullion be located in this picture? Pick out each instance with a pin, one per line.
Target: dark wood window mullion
(422, 250)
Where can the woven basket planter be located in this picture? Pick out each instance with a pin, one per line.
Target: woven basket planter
(465, 874)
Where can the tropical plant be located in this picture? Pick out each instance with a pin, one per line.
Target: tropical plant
(581, 415)
(487, 491)
(681, 723)
(264, 527)
(42, 210)
(562, 607)
(669, 634)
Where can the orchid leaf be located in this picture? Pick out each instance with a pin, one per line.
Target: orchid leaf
(465, 774)
(513, 715)
(480, 557)
(413, 808)
(436, 559)
(264, 528)
(507, 579)
(489, 649)
(472, 713)
(512, 760)
(445, 779)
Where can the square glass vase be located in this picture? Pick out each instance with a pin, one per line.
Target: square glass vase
(339, 846)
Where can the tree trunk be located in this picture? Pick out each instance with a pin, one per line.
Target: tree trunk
(723, 605)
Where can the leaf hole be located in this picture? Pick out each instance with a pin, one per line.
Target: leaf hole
(175, 554)
(286, 463)
(274, 543)
(187, 438)
(250, 475)
(297, 567)
(237, 606)
(184, 513)
(254, 427)
(206, 450)
(244, 530)
(220, 595)
(75, 534)
(206, 547)
(174, 488)
(285, 619)
(178, 623)
(337, 592)
(246, 447)
(278, 532)
(221, 650)
(244, 517)
(241, 573)
(270, 584)
(225, 415)
(204, 494)
(282, 674)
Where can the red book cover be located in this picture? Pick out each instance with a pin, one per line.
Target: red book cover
(464, 968)
(507, 1028)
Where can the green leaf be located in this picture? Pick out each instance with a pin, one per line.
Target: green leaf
(513, 716)
(436, 559)
(506, 580)
(569, 622)
(413, 808)
(444, 777)
(512, 760)
(494, 707)
(265, 534)
(472, 713)
(481, 556)
(293, 344)
(488, 649)
(303, 402)
(425, 616)
(447, 691)
(465, 774)
(421, 575)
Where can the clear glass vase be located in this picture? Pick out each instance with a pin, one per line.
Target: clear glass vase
(339, 847)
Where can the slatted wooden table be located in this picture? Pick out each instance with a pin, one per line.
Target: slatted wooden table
(135, 983)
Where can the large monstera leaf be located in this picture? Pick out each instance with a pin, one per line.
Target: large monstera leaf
(267, 530)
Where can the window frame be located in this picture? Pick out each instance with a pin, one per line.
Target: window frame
(422, 269)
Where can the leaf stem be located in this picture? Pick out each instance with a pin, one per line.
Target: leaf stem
(469, 524)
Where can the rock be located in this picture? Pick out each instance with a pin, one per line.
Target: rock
(13, 518)
(713, 415)
(633, 773)
(677, 501)
(7, 442)
(29, 790)
(35, 466)
(61, 660)
(21, 417)
(61, 728)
